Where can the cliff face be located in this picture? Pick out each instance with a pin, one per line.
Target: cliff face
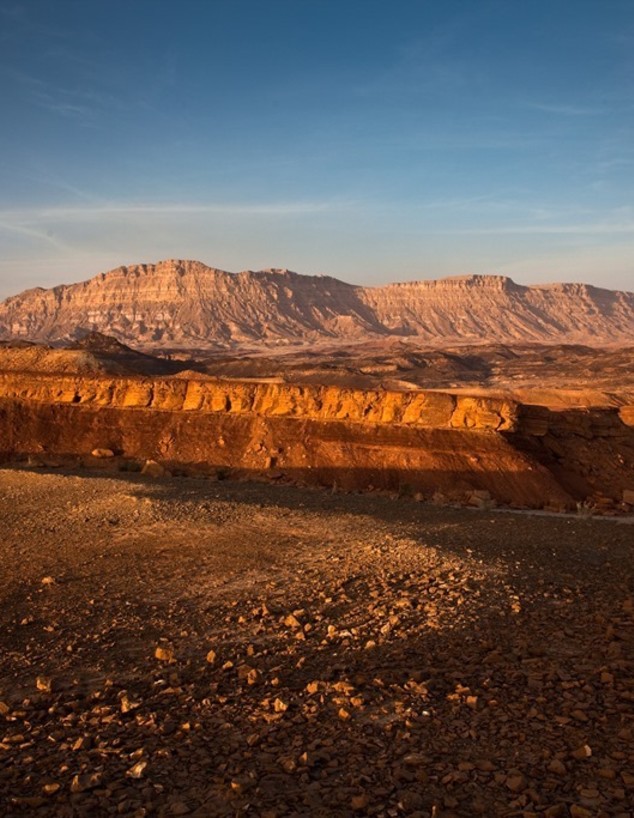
(185, 303)
(402, 441)
(493, 307)
(427, 410)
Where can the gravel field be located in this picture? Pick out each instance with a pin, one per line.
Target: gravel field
(189, 647)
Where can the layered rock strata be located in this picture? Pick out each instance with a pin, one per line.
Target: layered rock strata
(430, 410)
(428, 442)
(185, 304)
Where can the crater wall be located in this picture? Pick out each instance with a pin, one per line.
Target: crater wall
(419, 441)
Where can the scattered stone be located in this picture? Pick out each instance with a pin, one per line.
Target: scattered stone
(425, 723)
(164, 654)
(102, 453)
(516, 782)
(291, 621)
(86, 781)
(153, 469)
(582, 752)
(359, 803)
(577, 811)
(137, 770)
(557, 767)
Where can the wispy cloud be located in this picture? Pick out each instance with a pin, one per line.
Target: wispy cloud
(595, 229)
(40, 236)
(84, 105)
(52, 180)
(564, 109)
(95, 212)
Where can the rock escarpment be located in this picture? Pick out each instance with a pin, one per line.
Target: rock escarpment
(419, 409)
(187, 304)
(428, 442)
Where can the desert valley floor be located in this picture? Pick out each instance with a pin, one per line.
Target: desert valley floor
(191, 647)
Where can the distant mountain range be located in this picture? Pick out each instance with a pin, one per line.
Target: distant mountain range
(185, 304)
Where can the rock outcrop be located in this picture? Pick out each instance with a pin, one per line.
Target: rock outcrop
(419, 409)
(185, 304)
(428, 442)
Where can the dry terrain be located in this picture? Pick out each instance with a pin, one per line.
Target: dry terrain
(186, 304)
(189, 647)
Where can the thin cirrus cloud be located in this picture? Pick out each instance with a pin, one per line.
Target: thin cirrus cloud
(564, 109)
(596, 229)
(62, 227)
(24, 230)
(81, 104)
(89, 213)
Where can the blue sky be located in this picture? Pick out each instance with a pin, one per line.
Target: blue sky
(369, 140)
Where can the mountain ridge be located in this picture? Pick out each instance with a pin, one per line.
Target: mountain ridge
(184, 303)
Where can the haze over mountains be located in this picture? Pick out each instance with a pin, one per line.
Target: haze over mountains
(186, 304)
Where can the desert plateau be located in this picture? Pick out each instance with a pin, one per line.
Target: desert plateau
(316, 409)
(309, 560)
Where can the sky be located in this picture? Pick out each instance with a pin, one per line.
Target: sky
(370, 140)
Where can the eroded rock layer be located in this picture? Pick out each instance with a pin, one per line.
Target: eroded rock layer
(426, 442)
(185, 304)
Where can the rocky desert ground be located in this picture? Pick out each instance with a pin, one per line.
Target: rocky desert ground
(193, 647)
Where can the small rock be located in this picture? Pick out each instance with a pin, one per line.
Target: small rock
(292, 621)
(556, 811)
(359, 802)
(516, 782)
(51, 789)
(102, 453)
(86, 781)
(211, 657)
(128, 704)
(580, 812)
(153, 469)
(558, 767)
(583, 752)
(164, 654)
(44, 684)
(137, 770)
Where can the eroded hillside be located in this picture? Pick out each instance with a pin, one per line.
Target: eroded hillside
(185, 304)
